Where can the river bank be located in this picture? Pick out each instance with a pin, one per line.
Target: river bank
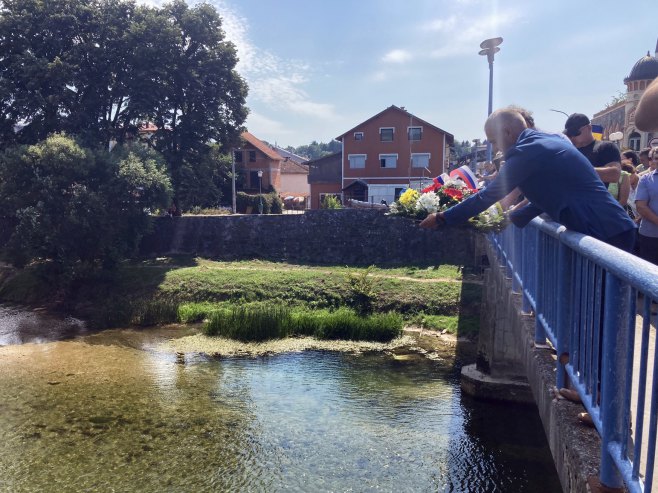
(443, 298)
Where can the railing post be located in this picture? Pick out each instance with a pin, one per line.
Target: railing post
(529, 259)
(564, 308)
(540, 331)
(516, 260)
(613, 365)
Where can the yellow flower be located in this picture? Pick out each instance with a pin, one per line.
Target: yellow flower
(409, 197)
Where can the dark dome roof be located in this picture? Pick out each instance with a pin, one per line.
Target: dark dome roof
(646, 68)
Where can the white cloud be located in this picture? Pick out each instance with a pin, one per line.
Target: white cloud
(272, 80)
(261, 125)
(397, 56)
(464, 36)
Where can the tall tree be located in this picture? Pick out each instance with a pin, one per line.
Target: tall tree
(100, 69)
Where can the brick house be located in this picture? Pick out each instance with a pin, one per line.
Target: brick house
(389, 152)
(253, 156)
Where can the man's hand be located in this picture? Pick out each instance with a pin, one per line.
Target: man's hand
(433, 221)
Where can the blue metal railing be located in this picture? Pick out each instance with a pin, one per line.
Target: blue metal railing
(584, 295)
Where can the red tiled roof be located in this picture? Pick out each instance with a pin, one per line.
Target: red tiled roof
(289, 166)
(449, 136)
(261, 146)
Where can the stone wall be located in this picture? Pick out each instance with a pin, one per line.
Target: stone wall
(342, 237)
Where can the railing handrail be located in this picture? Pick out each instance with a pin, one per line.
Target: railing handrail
(583, 294)
(636, 271)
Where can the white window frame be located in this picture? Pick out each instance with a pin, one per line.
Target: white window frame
(392, 129)
(384, 161)
(409, 133)
(358, 135)
(352, 166)
(415, 164)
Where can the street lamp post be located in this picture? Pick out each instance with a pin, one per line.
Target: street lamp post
(560, 111)
(616, 137)
(490, 48)
(260, 191)
(234, 205)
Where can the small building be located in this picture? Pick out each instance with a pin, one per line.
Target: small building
(295, 188)
(253, 156)
(324, 178)
(389, 152)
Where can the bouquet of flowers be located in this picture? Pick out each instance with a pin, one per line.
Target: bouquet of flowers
(440, 197)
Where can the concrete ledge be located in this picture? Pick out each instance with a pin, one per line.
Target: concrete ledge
(483, 386)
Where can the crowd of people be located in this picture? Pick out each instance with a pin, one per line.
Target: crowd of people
(584, 183)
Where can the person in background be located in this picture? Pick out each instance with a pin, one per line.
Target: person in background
(603, 155)
(646, 201)
(621, 189)
(633, 180)
(631, 156)
(645, 162)
(646, 114)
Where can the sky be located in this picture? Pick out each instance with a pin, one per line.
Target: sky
(317, 68)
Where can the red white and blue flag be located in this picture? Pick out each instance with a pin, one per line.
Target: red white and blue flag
(437, 183)
(465, 174)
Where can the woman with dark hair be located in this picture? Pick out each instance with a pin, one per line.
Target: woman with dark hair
(632, 157)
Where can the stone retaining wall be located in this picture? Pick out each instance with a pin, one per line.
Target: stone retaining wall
(342, 237)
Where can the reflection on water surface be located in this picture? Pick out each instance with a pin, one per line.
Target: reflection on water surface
(108, 412)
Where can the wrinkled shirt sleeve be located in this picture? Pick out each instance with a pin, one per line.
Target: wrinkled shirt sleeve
(521, 217)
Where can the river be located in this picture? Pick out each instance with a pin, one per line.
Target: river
(119, 411)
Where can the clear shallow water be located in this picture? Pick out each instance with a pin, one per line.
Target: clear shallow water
(106, 412)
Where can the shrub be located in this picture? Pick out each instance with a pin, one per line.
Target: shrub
(330, 202)
(361, 291)
(272, 203)
(77, 208)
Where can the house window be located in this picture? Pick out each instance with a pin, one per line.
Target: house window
(357, 160)
(238, 156)
(252, 156)
(358, 135)
(386, 134)
(420, 160)
(415, 133)
(253, 179)
(388, 160)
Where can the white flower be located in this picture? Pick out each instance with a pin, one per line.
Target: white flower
(393, 209)
(428, 202)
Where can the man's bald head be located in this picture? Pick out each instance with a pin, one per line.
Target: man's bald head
(503, 128)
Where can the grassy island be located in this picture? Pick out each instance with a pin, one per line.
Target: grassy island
(260, 300)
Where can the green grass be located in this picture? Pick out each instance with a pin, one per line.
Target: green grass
(261, 323)
(462, 326)
(190, 290)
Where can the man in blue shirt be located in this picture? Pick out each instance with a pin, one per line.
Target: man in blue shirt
(646, 201)
(554, 176)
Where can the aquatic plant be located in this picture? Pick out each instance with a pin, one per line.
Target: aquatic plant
(260, 323)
